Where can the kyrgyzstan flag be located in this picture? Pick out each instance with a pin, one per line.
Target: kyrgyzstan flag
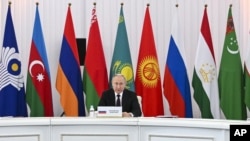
(148, 81)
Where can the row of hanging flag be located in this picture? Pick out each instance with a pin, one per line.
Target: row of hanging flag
(225, 96)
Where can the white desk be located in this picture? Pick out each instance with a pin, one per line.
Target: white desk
(113, 129)
(173, 129)
(25, 129)
(94, 129)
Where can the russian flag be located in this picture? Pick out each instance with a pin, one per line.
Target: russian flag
(176, 84)
(69, 83)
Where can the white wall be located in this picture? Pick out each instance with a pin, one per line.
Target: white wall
(53, 14)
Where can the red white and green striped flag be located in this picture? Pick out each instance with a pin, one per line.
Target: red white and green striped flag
(204, 81)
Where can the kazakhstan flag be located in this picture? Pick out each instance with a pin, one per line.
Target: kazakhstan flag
(121, 61)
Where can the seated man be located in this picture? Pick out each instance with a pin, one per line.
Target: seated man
(118, 95)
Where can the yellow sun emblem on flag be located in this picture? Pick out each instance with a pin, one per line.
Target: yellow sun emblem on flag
(149, 71)
(125, 69)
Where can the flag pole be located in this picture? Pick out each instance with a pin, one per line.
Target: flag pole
(62, 114)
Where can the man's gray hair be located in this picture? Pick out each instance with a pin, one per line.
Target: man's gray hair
(119, 74)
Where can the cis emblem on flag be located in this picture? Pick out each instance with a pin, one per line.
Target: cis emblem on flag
(10, 68)
(149, 71)
(125, 69)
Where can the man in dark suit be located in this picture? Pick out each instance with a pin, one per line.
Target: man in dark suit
(118, 95)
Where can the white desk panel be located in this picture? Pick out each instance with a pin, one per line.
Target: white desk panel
(24, 129)
(109, 129)
(182, 129)
(94, 129)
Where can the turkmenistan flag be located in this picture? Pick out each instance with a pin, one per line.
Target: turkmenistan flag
(204, 81)
(231, 75)
(95, 78)
(121, 61)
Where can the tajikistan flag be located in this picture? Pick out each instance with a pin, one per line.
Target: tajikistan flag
(205, 74)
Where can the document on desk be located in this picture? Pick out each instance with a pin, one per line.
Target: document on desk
(166, 116)
(109, 111)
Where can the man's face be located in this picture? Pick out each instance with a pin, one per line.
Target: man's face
(118, 84)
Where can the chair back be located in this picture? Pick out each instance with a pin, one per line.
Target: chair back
(140, 103)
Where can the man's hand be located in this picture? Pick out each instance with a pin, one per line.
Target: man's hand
(125, 114)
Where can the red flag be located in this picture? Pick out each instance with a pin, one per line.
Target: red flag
(68, 79)
(95, 78)
(38, 88)
(148, 81)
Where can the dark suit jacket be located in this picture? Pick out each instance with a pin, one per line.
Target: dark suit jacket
(129, 101)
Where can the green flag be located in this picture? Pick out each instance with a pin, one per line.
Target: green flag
(247, 81)
(231, 75)
(95, 78)
(247, 77)
(121, 61)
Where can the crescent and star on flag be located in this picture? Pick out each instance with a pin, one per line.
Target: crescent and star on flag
(233, 41)
(40, 75)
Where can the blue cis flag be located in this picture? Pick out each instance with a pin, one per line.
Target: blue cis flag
(12, 94)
